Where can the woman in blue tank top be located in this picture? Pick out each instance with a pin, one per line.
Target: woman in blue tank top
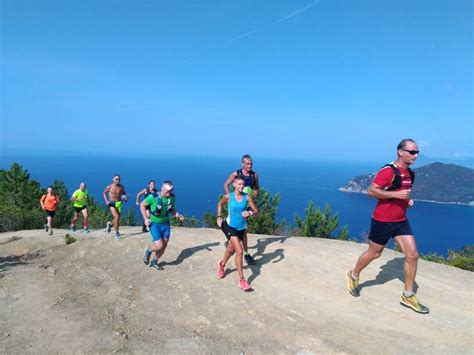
(234, 227)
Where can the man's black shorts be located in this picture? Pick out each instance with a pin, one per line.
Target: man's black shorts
(381, 232)
(231, 232)
(79, 209)
(50, 213)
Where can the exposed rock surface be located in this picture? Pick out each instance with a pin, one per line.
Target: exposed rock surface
(96, 295)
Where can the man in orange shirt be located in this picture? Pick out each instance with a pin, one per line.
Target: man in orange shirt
(49, 203)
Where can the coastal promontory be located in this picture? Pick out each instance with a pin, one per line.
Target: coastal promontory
(436, 182)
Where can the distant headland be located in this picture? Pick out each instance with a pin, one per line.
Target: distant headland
(436, 182)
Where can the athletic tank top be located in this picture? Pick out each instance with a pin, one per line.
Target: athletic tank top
(247, 178)
(235, 219)
(148, 192)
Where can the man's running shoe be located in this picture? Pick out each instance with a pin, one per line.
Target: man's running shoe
(46, 228)
(352, 285)
(220, 270)
(51, 231)
(117, 236)
(154, 265)
(413, 303)
(73, 228)
(85, 230)
(144, 230)
(244, 285)
(249, 259)
(109, 227)
(146, 257)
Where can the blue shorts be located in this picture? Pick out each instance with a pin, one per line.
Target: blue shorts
(381, 232)
(159, 230)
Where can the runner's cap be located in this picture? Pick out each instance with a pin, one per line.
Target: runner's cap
(168, 187)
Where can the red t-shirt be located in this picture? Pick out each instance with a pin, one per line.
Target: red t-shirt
(393, 209)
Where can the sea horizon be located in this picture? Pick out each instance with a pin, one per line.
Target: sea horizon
(199, 181)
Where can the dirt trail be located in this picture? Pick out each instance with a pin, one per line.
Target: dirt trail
(96, 295)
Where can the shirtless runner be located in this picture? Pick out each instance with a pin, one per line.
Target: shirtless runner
(117, 196)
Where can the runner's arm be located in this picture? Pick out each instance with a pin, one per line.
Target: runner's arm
(223, 200)
(146, 219)
(253, 208)
(229, 181)
(124, 193)
(142, 192)
(376, 191)
(107, 189)
(176, 214)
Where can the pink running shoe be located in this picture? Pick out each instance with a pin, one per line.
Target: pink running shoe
(244, 285)
(220, 270)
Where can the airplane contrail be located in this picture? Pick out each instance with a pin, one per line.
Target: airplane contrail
(242, 36)
(295, 13)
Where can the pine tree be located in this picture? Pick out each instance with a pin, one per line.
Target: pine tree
(320, 224)
(265, 221)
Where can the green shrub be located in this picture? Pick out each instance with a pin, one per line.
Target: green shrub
(265, 221)
(69, 239)
(189, 222)
(209, 220)
(320, 224)
(463, 259)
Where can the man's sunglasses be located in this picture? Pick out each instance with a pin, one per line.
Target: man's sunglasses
(412, 152)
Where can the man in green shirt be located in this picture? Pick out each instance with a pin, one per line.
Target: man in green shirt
(162, 205)
(79, 199)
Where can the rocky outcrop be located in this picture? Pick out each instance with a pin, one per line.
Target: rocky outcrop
(96, 296)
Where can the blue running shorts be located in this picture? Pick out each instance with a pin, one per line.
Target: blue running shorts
(160, 230)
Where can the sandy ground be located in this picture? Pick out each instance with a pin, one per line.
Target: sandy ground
(96, 295)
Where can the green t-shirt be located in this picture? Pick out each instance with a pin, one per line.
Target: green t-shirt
(160, 215)
(81, 196)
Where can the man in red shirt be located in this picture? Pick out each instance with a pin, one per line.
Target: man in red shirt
(392, 187)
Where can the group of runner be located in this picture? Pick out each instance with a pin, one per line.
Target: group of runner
(391, 187)
(50, 201)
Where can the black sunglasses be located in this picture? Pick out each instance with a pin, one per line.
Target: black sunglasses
(412, 152)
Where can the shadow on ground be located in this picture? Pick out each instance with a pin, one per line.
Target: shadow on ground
(261, 258)
(188, 252)
(11, 239)
(392, 270)
(10, 261)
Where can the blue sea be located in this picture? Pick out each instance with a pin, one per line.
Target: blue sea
(199, 181)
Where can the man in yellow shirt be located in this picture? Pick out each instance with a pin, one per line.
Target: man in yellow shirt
(79, 199)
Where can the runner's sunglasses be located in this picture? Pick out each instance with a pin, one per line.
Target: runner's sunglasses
(412, 152)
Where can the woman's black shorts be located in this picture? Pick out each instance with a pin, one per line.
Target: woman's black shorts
(231, 232)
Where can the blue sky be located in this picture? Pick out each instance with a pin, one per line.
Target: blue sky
(305, 79)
